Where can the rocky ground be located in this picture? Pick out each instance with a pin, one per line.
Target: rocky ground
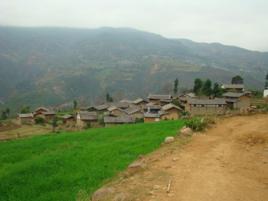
(229, 162)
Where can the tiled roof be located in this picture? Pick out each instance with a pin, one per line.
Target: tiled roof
(233, 86)
(233, 94)
(28, 115)
(159, 97)
(84, 115)
(120, 119)
(132, 110)
(216, 101)
(170, 106)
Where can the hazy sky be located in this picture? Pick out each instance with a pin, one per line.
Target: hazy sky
(242, 23)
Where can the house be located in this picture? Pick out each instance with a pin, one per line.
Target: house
(239, 101)
(101, 108)
(206, 106)
(135, 112)
(40, 111)
(49, 115)
(170, 112)
(44, 113)
(68, 119)
(108, 120)
(115, 111)
(26, 118)
(121, 105)
(140, 102)
(152, 108)
(86, 119)
(159, 99)
(184, 97)
(233, 87)
(151, 117)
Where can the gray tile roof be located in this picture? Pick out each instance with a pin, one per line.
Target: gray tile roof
(233, 86)
(233, 94)
(42, 108)
(159, 97)
(132, 110)
(101, 107)
(216, 101)
(118, 120)
(151, 115)
(67, 116)
(28, 115)
(138, 100)
(84, 115)
(49, 113)
(170, 106)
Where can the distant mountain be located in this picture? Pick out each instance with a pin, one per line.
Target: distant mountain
(49, 66)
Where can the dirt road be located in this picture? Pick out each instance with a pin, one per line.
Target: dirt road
(227, 163)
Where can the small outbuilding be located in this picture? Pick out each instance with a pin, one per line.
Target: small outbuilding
(26, 118)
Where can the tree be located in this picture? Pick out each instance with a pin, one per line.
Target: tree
(237, 80)
(3, 115)
(197, 86)
(25, 110)
(74, 104)
(8, 111)
(54, 124)
(206, 89)
(217, 91)
(176, 83)
(266, 82)
(109, 98)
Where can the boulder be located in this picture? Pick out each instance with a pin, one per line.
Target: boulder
(186, 131)
(120, 197)
(102, 194)
(136, 167)
(169, 139)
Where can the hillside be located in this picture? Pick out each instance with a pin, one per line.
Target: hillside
(44, 66)
(74, 163)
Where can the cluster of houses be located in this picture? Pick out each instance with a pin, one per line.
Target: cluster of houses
(40, 112)
(153, 108)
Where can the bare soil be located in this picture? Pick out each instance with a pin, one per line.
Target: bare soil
(229, 162)
(10, 131)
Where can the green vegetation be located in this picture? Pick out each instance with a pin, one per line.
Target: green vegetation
(205, 88)
(57, 167)
(237, 80)
(197, 123)
(39, 120)
(176, 83)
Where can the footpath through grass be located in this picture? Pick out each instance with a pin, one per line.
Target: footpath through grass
(56, 167)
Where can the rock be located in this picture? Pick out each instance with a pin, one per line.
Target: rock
(186, 131)
(102, 194)
(120, 197)
(169, 139)
(136, 167)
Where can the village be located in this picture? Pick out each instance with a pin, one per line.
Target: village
(235, 99)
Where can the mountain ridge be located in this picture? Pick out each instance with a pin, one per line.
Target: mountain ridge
(53, 65)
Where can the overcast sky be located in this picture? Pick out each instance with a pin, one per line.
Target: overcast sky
(242, 23)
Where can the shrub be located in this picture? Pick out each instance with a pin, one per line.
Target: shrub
(39, 120)
(141, 120)
(196, 123)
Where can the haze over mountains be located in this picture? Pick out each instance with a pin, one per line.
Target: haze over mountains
(50, 66)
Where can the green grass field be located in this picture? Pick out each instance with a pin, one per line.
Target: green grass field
(56, 167)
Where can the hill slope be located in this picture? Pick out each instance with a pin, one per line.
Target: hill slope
(54, 65)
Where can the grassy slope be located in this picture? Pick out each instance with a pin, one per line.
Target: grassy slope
(57, 167)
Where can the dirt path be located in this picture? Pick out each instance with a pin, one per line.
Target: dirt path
(227, 163)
